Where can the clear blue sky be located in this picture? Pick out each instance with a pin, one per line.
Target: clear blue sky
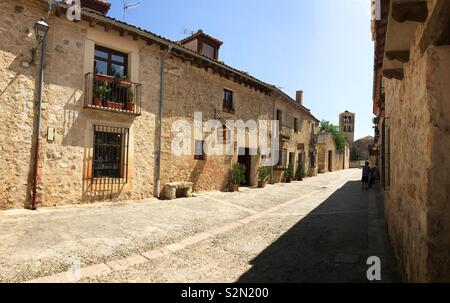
(323, 47)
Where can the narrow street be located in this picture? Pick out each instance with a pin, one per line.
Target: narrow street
(320, 230)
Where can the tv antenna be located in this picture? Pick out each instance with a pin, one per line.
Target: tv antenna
(127, 6)
(187, 32)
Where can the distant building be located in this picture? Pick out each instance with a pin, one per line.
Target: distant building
(347, 125)
(364, 145)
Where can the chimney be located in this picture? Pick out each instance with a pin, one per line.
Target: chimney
(299, 97)
(100, 6)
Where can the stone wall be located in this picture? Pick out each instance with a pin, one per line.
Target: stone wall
(65, 162)
(417, 202)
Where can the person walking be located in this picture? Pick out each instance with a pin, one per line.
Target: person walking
(374, 176)
(365, 176)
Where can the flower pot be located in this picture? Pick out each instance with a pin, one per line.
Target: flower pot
(261, 184)
(131, 106)
(233, 187)
(104, 78)
(97, 101)
(114, 105)
(124, 83)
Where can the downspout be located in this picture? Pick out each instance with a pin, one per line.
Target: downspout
(38, 126)
(161, 110)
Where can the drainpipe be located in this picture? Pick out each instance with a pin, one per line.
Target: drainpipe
(161, 109)
(38, 125)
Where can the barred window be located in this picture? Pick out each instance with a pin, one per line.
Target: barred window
(110, 157)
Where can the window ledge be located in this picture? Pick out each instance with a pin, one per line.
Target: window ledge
(113, 110)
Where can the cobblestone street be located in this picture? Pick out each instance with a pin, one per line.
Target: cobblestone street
(320, 230)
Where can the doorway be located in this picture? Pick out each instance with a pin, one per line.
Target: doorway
(245, 158)
(330, 161)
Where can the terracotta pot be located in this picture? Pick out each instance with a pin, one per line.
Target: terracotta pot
(261, 184)
(104, 78)
(124, 83)
(233, 187)
(97, 101)
(131, 106)
(114, 105)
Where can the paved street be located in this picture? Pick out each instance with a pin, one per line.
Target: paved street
(320, 230)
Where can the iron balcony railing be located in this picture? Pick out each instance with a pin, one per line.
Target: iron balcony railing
(112, 94)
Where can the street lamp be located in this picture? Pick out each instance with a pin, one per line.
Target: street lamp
(40, 28)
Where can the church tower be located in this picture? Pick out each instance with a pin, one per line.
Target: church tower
(347, 125)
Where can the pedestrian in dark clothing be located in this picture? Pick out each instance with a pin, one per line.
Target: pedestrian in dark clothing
(365, 176)
(374, 176)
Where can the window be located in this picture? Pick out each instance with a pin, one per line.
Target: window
(110, 155)
(280, 117)
(223, 135)
(199, 153)
(228, 101)
(282, 160)
(110, 62)
(296, 125)
(208, 51)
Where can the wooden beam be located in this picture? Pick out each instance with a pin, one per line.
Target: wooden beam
(149, 42)
(107, 27)
(402, 56)
(394, 73)
(92, 23)
(416, 11)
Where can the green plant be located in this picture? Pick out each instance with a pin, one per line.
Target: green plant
(101, 91)
(300, 173)
(338, 135)
(284, 136)
(264, 173)
(236, 175)
(289, 172)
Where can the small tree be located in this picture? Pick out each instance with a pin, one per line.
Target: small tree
(300, 173)
(236, 175)
(289, 173)
(263, 173)
(338, 135)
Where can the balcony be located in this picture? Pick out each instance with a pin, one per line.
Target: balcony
(112, 94)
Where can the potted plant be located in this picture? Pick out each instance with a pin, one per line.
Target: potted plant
(123, 81)
(104, 78)
(114, 105)
(289, 173)
(131, 100)
(101, 91)
(263, 174)
(284, 136)
(236, 176)
(300, 174)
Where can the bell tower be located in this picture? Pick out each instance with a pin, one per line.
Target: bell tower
(347, 125)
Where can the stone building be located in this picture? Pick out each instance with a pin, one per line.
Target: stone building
(111, 94)
(326, 153)
(364, 146)
(347, 125)
(298, 143)
(412, 104)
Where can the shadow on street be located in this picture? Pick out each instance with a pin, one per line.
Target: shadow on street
(330, 244)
